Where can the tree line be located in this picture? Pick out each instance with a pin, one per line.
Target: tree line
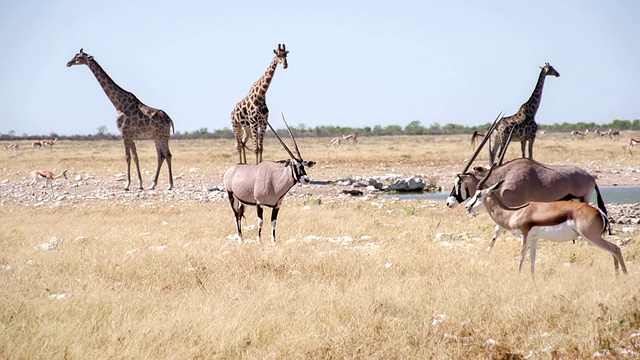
(413, 128)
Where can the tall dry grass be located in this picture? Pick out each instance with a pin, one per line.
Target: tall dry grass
(349, 278)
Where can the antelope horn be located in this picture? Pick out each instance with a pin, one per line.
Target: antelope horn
(484, 141)
(295, 144)
(281, 142)
(503, 151)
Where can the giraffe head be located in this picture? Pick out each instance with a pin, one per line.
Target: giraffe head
(549, 70)
(81, 58)
(281, 54)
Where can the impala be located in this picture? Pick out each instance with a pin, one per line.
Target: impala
(335, 142)
(558, 221)
(265, 184)
(348, 137)
(576, 133)
(13, 146)
(633, 142)
(48, 177)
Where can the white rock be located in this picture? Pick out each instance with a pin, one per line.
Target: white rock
(78, 177)
(46, 247)
(306, 207)
(158, 247)
(80, 238)
(58, 296)
(388, 265)
(5, 267)
(365, 237)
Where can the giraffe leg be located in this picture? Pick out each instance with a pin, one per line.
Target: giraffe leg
(523, 144)
(531, 141)
(160, 156)
(135, 161)
(127, 154)
(167, 156)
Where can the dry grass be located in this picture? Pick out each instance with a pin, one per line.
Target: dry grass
(348, 279)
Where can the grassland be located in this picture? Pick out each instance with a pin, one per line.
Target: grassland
(155, 274)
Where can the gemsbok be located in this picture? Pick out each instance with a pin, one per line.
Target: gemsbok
(265, 184)
(14, 147)
(349, 137)
(558, 221)
(335, 142)
(578, 133)
(48, 177)
(633, 142)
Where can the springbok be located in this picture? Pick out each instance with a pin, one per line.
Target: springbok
(13, 146)
(265, 184)
(476, 134)
(47, 176)
(603, 133)
(558, 221)
(633, 142)
(36, 144)
(613, 133)
(49, 143)
(348, 137)
(542, 132)
(576, 133)
(335, 142)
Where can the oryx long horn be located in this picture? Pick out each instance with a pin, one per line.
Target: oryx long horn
(281, 142)
(503, 151)
(484, 141)
(295, 144)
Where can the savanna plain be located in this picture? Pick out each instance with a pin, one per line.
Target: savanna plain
(94, 272)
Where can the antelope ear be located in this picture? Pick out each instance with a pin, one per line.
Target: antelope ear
(309, 164)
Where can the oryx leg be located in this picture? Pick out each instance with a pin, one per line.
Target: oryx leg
(274, 217)
(238, 211)
(260, 211)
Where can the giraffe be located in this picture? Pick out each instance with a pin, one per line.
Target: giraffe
(134, 119)
(250, 115)
(522, 123)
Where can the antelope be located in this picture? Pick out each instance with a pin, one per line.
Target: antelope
(47, 176)
(265, 184)
(50, 143)
(603, 133)
(558, 221)
(476, 134)
(542, 132)
(36, 144)
(348, 137)
(13, 146)
(633, 142)
(335, 142)
(613, 133)
(576, 133)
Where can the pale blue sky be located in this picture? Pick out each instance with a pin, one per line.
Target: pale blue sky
(351, 63)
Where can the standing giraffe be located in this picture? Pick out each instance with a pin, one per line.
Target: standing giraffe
(523, 123)
(134, 119)
(251, 114)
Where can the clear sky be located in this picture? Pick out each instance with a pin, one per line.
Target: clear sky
(351, 63)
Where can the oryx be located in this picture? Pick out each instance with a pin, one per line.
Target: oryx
(264, 184)
(557, 221)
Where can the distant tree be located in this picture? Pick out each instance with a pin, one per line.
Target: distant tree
(414, 128)
(377, 130)
(393, 130)
(12, 133)
(103, 130)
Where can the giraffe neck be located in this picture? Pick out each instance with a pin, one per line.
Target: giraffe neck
(531, 106)
(114, 92)
(261, 86)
